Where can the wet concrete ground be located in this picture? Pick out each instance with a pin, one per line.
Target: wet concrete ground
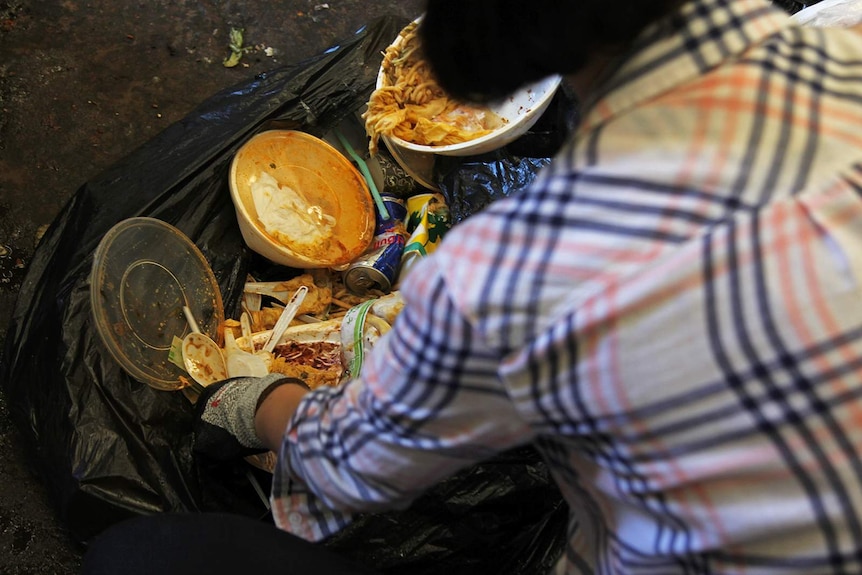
(82, 84)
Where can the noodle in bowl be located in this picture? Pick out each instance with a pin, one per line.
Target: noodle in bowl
(408, 109)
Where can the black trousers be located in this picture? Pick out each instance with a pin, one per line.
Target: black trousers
(207, 543)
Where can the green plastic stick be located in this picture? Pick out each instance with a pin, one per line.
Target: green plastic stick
(363, 167)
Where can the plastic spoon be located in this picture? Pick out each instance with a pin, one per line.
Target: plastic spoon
(245, 328)
(281, 290)
(201, 355)
(275, 290)
(284, 319)
(248, 341)
(242, 363)
(251, 301)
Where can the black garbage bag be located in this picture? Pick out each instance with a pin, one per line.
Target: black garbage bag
(111, 447)
(505, 511)
(470, 183)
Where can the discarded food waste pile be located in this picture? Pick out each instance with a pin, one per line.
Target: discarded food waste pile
(302, 204)
(162, 245)
(316, 326)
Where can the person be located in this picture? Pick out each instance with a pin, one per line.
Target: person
(671, 313)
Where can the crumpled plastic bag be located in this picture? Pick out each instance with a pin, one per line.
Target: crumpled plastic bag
(486, 508)
(830, 14)
(110, 447)
(471, 183)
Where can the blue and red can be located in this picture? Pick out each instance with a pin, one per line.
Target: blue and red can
(378, 268)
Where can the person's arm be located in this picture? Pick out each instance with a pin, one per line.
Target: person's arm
(427, 402)
(275, 412)
(227, 423)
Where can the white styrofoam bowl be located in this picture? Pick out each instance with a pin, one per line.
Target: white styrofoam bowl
(313, 167)
(519, 112)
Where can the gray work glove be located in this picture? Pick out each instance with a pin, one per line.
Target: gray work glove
(224, 422)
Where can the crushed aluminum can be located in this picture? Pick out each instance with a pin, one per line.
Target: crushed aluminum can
(428, 221)
(378, 268)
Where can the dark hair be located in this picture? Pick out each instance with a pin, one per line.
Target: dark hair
(482, 50)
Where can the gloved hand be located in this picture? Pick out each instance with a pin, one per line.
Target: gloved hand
(224, 422)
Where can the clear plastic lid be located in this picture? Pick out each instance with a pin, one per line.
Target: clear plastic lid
(144, 272)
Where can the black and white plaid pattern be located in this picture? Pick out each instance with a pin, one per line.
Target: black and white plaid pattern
(671, 313)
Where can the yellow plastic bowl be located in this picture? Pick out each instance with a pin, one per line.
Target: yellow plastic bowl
(330, 189)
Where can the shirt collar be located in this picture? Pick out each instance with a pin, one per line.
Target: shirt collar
(695, 39)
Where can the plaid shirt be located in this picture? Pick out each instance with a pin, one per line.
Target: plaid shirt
(671, 313)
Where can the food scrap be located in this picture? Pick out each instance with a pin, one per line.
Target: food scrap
(236, 48)
(409, 104)
(312, 348)
(280, 207)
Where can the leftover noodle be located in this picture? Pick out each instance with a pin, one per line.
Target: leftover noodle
(410, 105)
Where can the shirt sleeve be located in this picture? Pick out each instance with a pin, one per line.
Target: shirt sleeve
(427, 403)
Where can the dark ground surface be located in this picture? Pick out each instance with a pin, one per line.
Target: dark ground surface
(84, 83)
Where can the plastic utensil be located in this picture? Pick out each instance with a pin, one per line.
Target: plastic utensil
(366, 173)
(245, 328)
(251, 301)
(241, 363)
(275, 290)
(144, 271)
(201, 355)
(285, 318)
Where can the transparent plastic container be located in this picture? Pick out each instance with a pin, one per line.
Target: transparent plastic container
(144, 271)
